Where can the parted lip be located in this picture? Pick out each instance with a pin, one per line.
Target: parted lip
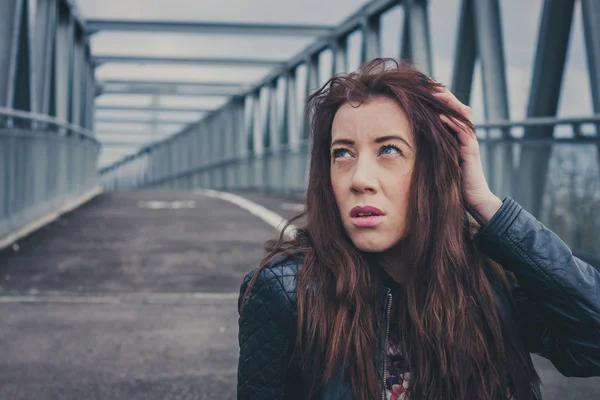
(365, 210)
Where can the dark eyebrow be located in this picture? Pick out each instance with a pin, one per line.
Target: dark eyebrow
(378, 140)
(342, 141)
(392, 137)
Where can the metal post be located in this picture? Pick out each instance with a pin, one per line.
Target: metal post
(287, 121)
(214, 131)
(77, 76)
(491, 55)
(63, 64)
(228, 144)
(193, 157)
(274, 118)
(220, 131)
(590, 10)
(240, 141)
(247, 173)
(553, 40)
(371, 38)
(257, 133)
(45, 32)
(465, 54)
(204, 154)
(312, 84)
(405, 50)
(265, 118)
(155, 117)
(11, 19)
(274, 157)
(417, 23)
(339, 47)
(24, 95)
(265, 136)
(88, 108)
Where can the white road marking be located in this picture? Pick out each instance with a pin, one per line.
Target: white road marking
(270, 217)
(162, 205)
(146, 298)
(292, 206)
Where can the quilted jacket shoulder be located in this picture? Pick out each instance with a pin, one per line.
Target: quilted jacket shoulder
(556, 295)
(267, 332)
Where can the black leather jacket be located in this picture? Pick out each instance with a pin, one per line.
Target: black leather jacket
(557, 314)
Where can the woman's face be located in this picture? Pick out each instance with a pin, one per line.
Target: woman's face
(372, 159)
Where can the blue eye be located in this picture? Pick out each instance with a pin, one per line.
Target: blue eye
(337, 153)
(389, 149)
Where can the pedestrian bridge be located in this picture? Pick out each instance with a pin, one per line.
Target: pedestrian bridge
(132, 205)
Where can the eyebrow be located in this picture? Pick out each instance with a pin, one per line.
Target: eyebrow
(381, 139)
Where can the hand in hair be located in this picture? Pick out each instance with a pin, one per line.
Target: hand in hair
(482, 203)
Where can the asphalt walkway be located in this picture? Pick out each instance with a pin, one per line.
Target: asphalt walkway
(133, 296)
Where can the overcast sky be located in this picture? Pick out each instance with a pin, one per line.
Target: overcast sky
(520, 19)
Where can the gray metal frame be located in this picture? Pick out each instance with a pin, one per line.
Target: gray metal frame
(154, 109)
(220, 61)
(219, 28)
(259, 139)
(479, 39)
(270, 138)
(47, 150)
(171, 88)
(44, 164)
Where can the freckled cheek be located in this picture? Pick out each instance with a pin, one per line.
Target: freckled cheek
(337, 185)
(402, 194)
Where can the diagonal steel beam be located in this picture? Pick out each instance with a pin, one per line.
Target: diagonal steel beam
(124, 132)
(490, 49)
(229, 28)
(544, 94)
(223, 85)
(168, 91)
(155, 109)
(113, 143)
(416, 33)
(465, 54)
(591, 30)
(229, 61)
(173, 88)
(144, 121)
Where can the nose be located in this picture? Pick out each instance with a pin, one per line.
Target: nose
(364, 178)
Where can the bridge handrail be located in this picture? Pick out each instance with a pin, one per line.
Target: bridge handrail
(528, 122)
(542, 121)
(45, 119)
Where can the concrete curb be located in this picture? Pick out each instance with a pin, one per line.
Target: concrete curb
(45, 219)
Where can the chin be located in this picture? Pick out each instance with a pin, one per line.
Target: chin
(371, 242)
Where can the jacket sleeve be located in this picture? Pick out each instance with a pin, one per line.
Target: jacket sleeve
(266, 337)
(557, 295)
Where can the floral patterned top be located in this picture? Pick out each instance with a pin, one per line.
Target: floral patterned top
(396, 363)
(397, 369)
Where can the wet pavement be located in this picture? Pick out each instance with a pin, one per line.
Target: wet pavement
(133, 296)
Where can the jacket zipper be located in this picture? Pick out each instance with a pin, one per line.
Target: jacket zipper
(535, 392)
(385, 342)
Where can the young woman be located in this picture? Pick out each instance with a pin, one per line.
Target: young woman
(391, 290)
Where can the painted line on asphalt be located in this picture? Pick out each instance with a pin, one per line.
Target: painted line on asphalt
(270, 217)
(297, 207)
(145, 298)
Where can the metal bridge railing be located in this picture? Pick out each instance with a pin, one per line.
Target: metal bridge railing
(44, 165)
(570, 194)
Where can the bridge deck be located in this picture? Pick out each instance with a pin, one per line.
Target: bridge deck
(130, 298)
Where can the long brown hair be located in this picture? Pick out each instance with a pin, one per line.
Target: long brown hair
(449, 323)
